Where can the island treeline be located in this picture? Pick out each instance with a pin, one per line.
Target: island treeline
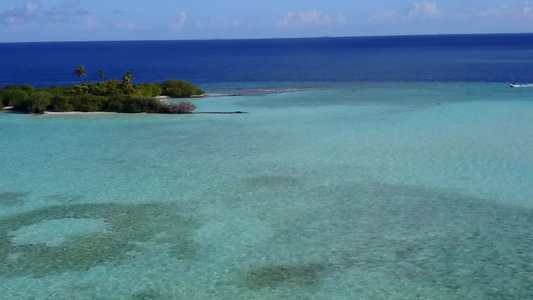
(112, 96)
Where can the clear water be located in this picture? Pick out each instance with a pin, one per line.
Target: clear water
(389, 190)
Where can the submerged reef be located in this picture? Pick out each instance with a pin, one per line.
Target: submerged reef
(125, 225)
(12, 198)
(297, 274)
(146, 295)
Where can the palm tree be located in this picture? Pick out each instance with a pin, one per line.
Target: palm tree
(126, 84)
(128, 78)
(81, 72)
(102, 74)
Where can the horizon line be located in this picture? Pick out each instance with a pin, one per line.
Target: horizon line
(273, 38)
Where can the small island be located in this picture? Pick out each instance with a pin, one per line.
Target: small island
(105, 96)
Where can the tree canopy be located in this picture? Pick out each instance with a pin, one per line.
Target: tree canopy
(113, 95)
(180, 89)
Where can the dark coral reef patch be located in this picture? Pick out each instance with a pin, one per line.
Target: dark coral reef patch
(126, 224)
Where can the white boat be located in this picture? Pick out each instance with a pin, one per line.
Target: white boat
(514, 85)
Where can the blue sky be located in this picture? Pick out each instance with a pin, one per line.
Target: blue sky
(76, 20)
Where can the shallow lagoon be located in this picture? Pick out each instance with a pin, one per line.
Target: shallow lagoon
(373, 191)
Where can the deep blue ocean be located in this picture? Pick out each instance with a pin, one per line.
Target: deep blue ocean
(443, 58)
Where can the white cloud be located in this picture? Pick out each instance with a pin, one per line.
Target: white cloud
(522, 11)
(32, 7)
(179, 24)
(424, 10)
(313, 18)
(388, 16)
(504, 10)
(14, 21)
(526, 8)
(125, 25)
(62, 13)
(33, 11)
(20, 15)
(419, 11)
(91, 23)
(220, 24)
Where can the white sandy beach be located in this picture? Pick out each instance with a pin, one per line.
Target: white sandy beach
(79, 113)
(163, 98)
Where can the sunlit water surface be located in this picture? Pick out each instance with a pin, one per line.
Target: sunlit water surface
(372, 191)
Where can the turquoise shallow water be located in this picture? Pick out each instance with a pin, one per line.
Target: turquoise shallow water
(372, 191)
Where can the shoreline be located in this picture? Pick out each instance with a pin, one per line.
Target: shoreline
(81, 113)
(162, 98)
(166, 98)
(159, 98)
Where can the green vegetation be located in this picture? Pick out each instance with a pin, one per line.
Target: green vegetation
(111, 96)
(180, 89)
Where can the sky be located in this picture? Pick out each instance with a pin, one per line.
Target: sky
(92, 20)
